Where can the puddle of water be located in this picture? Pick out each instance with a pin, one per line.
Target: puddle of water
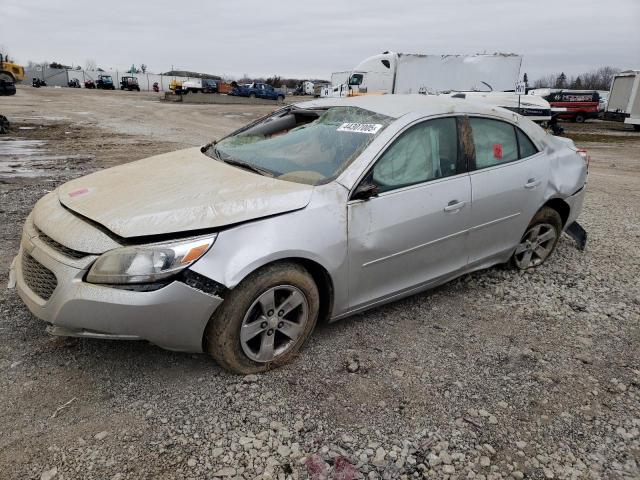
(20, 147)
(44, 117)
(83, 113)
(26, 128)
(13, 154)
(10, 169)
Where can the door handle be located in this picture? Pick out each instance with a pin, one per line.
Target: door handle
(454, 205)
(532, 183)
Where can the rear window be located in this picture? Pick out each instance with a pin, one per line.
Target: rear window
(495, 142)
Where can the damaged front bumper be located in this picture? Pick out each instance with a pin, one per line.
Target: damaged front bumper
(52, 286)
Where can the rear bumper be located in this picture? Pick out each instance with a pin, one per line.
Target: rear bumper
(575, 203)
(173, 317)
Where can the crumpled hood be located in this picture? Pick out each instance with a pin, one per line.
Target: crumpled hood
(178, 192)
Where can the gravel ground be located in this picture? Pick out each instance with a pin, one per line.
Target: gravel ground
(498, 374)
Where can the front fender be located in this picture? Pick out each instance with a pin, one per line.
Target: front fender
(317, 233)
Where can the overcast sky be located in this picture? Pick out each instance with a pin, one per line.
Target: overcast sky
(312, 38)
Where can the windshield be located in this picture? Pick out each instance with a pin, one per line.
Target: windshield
(356, 79)
(305, 146)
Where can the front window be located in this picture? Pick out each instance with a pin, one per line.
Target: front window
(301, 145)
(425, 152)
(356, 79)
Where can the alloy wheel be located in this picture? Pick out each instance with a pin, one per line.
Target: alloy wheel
(536, 245)
(274, 323)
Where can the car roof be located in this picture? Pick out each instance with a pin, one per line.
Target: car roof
(397, 105)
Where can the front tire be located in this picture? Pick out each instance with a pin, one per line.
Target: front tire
(539, 240)
(265, 320)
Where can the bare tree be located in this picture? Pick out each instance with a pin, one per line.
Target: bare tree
(143, 68)
(598, 79)
(4, 50)
(90, 65)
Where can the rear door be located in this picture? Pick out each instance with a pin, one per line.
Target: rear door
(415, 230)
(508, 177)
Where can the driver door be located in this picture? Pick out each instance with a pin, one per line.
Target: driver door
(414, 231)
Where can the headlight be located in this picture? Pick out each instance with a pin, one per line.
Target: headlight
(147, 263)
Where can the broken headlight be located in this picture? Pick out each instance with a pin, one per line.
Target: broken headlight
(147, 263)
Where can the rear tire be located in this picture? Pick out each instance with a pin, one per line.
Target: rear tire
(636, 128)
(539, 240)
(579, 118)
(246, 335)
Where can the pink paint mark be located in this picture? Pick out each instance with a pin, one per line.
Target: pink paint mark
(497, 151)
(79, 192)
(316, 468)
(343, 470)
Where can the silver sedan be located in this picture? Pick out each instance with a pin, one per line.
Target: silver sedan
(318, 211)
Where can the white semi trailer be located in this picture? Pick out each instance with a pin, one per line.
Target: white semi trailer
(392, 72)
(489, 78)
(623, 103)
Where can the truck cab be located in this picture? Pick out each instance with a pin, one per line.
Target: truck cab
(374, 75)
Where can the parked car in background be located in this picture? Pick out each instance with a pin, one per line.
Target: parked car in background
(73, 83)
(581, 105)
(105, 82)
(313, 213)
(257, 90)
(7, 87)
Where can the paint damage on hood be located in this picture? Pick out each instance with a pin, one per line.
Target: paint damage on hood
(178, 192)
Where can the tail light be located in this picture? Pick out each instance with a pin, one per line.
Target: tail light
(585, 156)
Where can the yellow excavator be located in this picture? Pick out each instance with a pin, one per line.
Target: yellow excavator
(10, 71)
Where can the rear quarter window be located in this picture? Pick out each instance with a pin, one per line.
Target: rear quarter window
(525, 145)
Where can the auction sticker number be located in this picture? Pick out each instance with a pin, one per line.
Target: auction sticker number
(370, 128)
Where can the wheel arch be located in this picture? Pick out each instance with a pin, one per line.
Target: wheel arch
(320, 276)
(560, 206)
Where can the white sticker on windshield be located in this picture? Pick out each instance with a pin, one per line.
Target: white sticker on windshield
(369, 128)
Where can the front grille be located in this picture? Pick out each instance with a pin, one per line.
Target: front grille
(38, 278)
(59, 247)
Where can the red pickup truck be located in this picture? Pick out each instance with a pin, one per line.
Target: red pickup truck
(580, 104)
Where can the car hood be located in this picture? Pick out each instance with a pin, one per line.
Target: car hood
(178, 192)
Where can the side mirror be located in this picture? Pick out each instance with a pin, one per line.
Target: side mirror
(365, 191)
